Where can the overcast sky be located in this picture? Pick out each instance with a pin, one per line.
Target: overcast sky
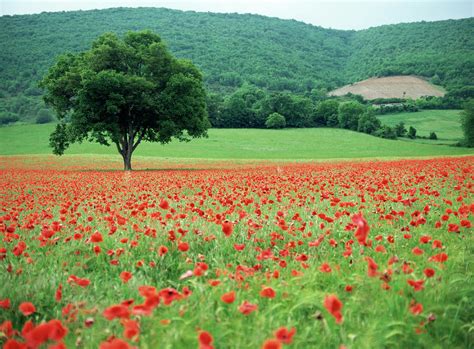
(339, 14)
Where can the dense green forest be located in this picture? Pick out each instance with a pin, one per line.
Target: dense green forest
(237, 51)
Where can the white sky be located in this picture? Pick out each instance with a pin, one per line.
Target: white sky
(340, 14)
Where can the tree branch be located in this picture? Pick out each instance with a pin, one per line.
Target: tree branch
(142, 134)
(120, 150)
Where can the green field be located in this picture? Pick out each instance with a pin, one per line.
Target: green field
(239, 144)
(446, 123)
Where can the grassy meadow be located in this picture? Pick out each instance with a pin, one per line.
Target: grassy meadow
(240, 144)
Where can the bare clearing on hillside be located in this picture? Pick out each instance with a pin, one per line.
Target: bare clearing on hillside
(391, 87)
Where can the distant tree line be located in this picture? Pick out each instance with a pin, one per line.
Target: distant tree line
(251, 107)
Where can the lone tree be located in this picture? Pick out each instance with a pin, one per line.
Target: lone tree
(125, 91)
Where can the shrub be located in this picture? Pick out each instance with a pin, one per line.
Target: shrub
(326, 113)
(368, 122)
(275, 120)
(386, 132)
(44, 116)
(349, 114)
(400, 129)
(8, 118)
(433, 136)
(412, 132)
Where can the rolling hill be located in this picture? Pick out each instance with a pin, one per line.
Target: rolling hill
(233, 49)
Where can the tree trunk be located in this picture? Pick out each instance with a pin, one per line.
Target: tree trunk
(127, 145)
(127, 161)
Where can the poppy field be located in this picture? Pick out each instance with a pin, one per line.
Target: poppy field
(375, 254)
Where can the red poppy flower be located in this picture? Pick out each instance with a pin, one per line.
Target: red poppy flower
(429, 272)
(285, 336)
(416, 309)
(417, 251)
(126, 276)
(272, 344)
(52, 330)
(164, 204)
(334, 306)
(27, 308)
(13, 344)
(131, 328)
(363, 228)
(246, 307)
(325, 268)
(268, 292)
(59, 293)
(162, 250)
(6, 328)
(239, 247)
(372, 267)
(227, 228)
(183, 246)
(116, 311)
(96, 237)
(228, 297)
(5, 303)
(115, 343)
(441, 258)
(168, 295)
(417, 285)
(78, 281)
(205, 340)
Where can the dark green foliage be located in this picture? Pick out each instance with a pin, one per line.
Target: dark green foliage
(349, 114)
(123, 91)
(400, 129)
(297, 110)
(388, 100)
(215, 106)
(242, 109)
(386, 132)
(412, 132)
(327, 113)
(232, 50)
(433, 136)
(399, 107)
(275, 120)
(368, 122)
(44, 116)
(8, 118)
(468, 123)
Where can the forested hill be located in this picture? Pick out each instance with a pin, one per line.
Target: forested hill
(231, 49)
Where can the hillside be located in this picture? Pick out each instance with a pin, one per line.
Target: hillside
(239, 144)
(232, 49)
(390, 87)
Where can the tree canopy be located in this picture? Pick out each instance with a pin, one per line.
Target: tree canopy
(124, 91)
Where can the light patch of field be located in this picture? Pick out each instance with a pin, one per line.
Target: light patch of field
(445, 123)
(400, 86)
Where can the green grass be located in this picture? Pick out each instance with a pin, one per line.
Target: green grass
(446, 123)
(240, 144)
